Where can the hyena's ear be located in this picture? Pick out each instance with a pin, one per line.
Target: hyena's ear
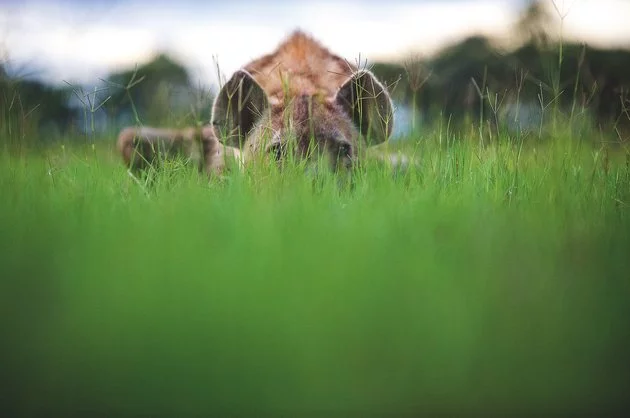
(368, 103)
(237, 107)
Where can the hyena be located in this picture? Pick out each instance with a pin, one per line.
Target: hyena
(144, 146)
(300, 101)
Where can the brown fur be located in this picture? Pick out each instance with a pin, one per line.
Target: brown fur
(309, 68)
(141, 147)
(300, 100)
(304, 100)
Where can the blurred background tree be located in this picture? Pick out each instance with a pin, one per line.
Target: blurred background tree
(473, 82)
(534, 23)
(32, 111)
(158, 92)
(476, 81)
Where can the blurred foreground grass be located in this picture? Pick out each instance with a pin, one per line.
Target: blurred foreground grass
(491, 281)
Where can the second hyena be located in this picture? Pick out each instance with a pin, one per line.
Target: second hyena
(141, 147)
(300, 101)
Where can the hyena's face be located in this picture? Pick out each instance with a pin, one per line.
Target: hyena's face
(309, 128)
(332, 130)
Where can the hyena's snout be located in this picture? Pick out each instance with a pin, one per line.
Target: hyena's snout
(318, 156)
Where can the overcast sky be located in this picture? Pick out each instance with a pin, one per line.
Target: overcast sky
(80, 41)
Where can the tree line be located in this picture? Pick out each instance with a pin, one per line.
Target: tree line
(472, 80)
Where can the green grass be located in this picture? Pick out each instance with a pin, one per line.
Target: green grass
(489, 280)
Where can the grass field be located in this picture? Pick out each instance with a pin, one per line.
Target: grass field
(494, 279)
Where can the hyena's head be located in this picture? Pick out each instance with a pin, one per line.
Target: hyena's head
(334, 130)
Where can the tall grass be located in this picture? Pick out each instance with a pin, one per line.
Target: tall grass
(491, 279)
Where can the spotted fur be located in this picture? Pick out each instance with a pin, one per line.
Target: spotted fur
(300, 100)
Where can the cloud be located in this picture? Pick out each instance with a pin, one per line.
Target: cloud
(80, 42)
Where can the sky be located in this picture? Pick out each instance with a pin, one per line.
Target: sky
(81, 41)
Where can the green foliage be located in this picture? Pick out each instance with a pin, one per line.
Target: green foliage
(161, 94)
(492, 280)
(30, 110)
(473, 78)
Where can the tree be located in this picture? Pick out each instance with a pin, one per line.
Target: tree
(150, 91)
(533, 25)
(30, 108)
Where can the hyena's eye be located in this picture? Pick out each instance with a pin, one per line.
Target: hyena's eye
(277, 151)
(344, 150)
